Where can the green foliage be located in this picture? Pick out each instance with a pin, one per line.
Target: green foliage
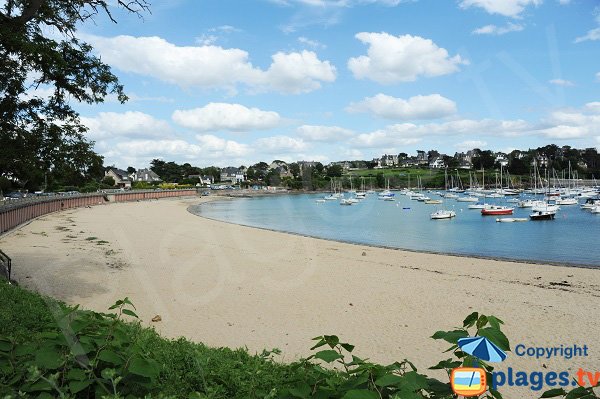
(482, 325)
(91, 354)
(50, 350)
(42, 137)
(108, 181)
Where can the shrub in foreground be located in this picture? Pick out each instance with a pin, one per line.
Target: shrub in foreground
(72, 353)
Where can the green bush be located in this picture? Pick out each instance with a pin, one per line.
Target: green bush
(50, 350)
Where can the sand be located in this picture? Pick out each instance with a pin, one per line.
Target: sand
(229, 285)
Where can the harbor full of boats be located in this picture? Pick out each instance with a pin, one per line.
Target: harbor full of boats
(431, 220)
(539, 204)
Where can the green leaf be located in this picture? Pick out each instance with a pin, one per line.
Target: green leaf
(328, 355)
(5, 345)
(577, 393)
(332, 340)
(130, 313)
(143, 367)
(318, 344)
(450, 336)
(348, 347)
(446, 364)
(77, 386)
(496, 336)
(116, 305)
(387, 380)
(360, 394)
(76, 374)
(482, 321)
(110, 357)
(494, 322)
(302, 390)
(127, 301)
(554, 393)
(48, 358)
(470, 320)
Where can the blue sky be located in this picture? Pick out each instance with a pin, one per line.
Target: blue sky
(233, 82)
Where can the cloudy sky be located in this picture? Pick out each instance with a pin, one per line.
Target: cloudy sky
(232, 82)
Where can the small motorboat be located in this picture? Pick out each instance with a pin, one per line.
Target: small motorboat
(433, 201)
(344, 201)
(567, 201)
(542, 215)
(479, 205)
(321, 200)
(467, 199)
(511, 220)
(496, 210)
(443, 214)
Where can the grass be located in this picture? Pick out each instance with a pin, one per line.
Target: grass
(186, 367)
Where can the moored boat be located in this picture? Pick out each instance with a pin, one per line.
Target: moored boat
(542, 215)
(511, 220)
(497, 210)
(443, 214)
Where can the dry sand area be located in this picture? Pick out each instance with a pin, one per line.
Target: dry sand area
(235, 286)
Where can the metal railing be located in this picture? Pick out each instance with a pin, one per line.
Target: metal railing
(5, 265)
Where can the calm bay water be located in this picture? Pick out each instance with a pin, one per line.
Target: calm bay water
(571, 238)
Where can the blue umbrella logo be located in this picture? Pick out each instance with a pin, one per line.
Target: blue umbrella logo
(482, 348)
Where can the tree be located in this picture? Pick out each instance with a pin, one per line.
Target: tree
(41, 135)
(109, 181)
(334, 171)
(131, 170)
(295, 170)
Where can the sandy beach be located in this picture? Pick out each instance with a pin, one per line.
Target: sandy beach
(235, 286)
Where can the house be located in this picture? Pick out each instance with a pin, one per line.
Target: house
(389, 160)
(437, 163)
(283, 171)
(377, 163)
(501, 159)
(121, 178)
(145, 175)
(542, 161)
(205, 180)
(233, 175)
(422, 158)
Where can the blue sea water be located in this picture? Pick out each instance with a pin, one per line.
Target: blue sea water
(571, 238)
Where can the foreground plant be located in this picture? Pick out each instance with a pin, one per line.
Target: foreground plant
(95, 354)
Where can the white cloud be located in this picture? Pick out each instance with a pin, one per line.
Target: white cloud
(158, 148)
(212, 67)
(507, 8)
(218, 147)
(562, 82)
(498, 30)
(324, 133)
(470, 144)
(224, 116)
(564, 2)
(298, 72)
(393, 59)
(593, 34)
(418, 107)
(396, 135)
(572, 123)
(280, 144)
(311, 43)
(130, 124)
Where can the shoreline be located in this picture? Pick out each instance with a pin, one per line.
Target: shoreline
(423, 251)
(228, 285)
